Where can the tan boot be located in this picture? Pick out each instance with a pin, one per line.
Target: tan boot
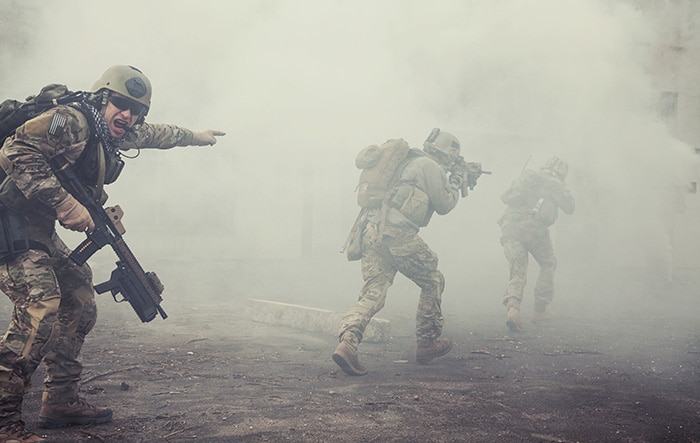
(79, 412)
(513, 319)
(542, 317)
(345, 356)
(438, 348)
(17, 433)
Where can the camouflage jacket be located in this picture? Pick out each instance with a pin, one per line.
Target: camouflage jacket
(428, 190)
(538, 195)
(33, 189)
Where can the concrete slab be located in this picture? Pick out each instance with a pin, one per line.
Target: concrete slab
(310, 319)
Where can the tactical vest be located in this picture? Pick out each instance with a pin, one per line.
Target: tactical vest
(96, 167)
(412, 202)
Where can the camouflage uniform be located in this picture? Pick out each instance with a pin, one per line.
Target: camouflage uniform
(391, 244)
(53, 297)
(533, 205)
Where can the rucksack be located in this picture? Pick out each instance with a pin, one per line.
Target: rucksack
(381, 166)
(523, 189)
(14, 113)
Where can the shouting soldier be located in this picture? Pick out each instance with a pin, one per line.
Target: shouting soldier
(53, 297)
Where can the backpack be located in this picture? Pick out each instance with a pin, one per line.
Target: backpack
(523, 189)
(14, 113)
(381, 166)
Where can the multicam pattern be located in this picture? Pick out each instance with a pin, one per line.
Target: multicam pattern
(24, 157)
(53, 297)
(525, 232)
(408, 254)
(54, 311)
(529, 237)
(391, 244)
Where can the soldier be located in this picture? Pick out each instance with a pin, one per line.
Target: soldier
(53, 297)
(533, 203)
(391, 244)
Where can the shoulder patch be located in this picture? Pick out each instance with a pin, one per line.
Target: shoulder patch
(58, 124)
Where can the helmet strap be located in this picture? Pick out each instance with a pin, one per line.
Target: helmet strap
(437, 155)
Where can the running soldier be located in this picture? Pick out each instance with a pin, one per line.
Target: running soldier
(390, 243)
(53, 297)
(533, 203)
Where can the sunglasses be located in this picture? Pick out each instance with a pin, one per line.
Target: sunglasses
(124, 103)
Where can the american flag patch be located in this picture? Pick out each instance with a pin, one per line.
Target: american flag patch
(57, 124)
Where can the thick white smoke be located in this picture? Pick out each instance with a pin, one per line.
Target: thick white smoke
(301, 86)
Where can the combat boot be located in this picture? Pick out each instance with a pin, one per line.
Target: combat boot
(438, 348)
(345, 356)
(513, 319)
(79, 412)
(542, 316)
(16, 433)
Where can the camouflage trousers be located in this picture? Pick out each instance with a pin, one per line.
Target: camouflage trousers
(403, 252)
(54, 309)
(519, 242)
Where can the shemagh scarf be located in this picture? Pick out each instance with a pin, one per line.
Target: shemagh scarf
(98, 124)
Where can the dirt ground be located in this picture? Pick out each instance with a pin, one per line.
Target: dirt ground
(210, 374)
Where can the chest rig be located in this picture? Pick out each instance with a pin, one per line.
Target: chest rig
(100, 163)
(97, 166)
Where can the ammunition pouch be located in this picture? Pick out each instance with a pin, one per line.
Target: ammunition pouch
(353, 244)
(353, 249)
(13, 200)
(546, 211)
(10, 195)
(14, 238)
(413, 203)
(14, 232)
(113, 168)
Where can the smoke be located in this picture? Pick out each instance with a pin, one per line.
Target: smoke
(301, 86)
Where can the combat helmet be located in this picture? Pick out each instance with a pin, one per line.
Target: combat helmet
(557, 166)
(443, 142)
(127, 81)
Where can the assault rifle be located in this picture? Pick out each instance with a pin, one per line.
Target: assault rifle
(141, 289)
(470, 173)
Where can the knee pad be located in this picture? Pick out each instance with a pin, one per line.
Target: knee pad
(85, 296)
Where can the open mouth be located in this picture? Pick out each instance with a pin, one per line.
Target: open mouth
(121, 124)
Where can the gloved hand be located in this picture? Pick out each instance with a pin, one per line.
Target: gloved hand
(456, 180)
(204, 138)
(74, 216)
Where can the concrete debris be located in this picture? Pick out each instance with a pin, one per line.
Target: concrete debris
(311, 319)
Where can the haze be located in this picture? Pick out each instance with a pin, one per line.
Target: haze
(301, 86)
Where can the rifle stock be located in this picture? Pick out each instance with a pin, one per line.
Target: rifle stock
(141, 289)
